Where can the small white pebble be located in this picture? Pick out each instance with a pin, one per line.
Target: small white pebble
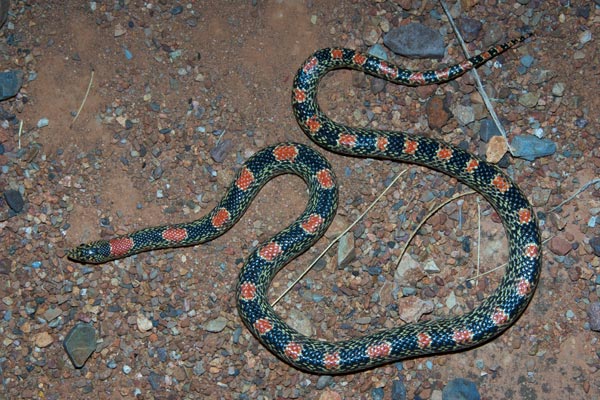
(43, 122)
(585, 36)
(539, 132)
(126, 369)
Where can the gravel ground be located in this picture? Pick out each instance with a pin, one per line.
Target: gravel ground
(182, 93)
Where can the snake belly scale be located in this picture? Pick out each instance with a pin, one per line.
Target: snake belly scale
(490, 318)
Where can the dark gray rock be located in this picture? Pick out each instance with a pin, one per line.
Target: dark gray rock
(80, 343)
(398, 390)
(415, 41)
(14, 200)
(594, 316)
(595, 243)
(10, 83)
(488, 129)
(470, 28)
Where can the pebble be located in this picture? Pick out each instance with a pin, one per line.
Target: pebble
(155, 380)
(10, 83)
(460, 389)
(198, 368)
(119, 30)
(377, 393)
(451, 301)
(559, 246)
(80, 343)
(593, 313)
(406, 264)
(52, 313)
(527, 60)
(215, 325)
(14, 200)
(487, 129)
(558, 89)
(378, 51)
(143, 323)
(176, 10)
(43, 339)
(529, 99)
(496, 149)
(43, 122)
(470, 28)
(464, 114)
(531, 147)
(585, 36)
(323, 381)
(437, 112)
(398, 390)
(412, 308)
(346, 250)
(221, 150)
(431, 267)
(595, 243)
(416, 41)
(581, 122)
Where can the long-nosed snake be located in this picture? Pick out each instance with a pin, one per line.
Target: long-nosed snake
(494, 314)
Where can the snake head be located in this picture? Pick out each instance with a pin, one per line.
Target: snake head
(91, 253)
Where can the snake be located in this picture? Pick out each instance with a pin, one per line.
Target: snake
(439, 335)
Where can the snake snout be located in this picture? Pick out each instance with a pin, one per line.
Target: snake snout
(86, 253)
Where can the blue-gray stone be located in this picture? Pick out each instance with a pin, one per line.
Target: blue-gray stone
(416, 41)
(377, 393)
(161, 352)
(176, 10)
(581, 123)
(378, 51)
(531, 147)
(323, 382)
(155, 379)
(398, 390)
(460, 389)
(527, 60)
(199, 368)
(10, 83)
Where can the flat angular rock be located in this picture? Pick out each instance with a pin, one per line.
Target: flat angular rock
(10, 83)
(14, 200)
(416, 41)
(530, 147)
(80, 343)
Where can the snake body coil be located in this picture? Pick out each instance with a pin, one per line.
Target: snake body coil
(494, 314)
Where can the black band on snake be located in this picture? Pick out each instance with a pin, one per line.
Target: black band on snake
(493, 316)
